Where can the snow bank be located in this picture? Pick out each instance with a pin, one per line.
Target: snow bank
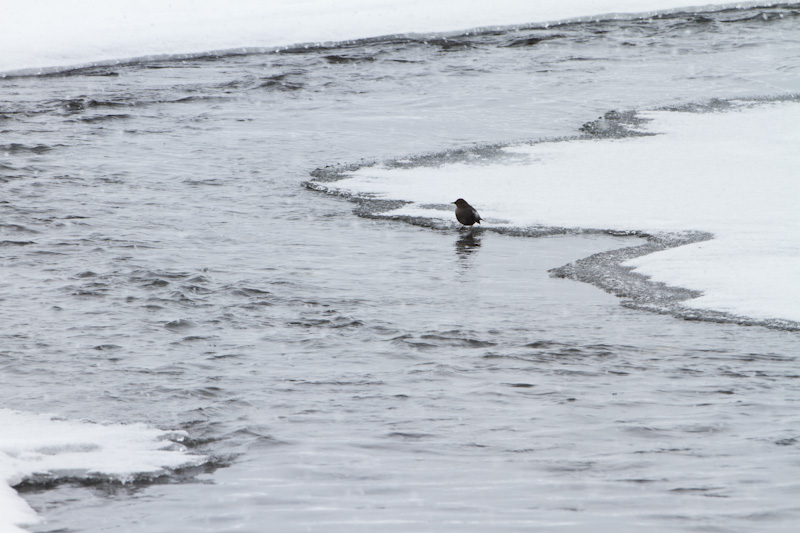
(33, 444)
(734, 174)
(53, 33)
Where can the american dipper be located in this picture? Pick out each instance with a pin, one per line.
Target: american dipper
(465, 213)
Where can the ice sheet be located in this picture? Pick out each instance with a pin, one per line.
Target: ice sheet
(34, 444)
(733, 174)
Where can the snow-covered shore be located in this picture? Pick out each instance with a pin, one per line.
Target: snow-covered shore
(49, 34)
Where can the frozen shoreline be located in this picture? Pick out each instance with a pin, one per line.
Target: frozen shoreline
(708, 228)
(44, 446)
(47, 36)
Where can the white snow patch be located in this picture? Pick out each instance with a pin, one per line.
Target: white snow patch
(32, 444)
(735, 174)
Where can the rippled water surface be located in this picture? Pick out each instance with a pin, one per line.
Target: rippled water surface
(161, 263)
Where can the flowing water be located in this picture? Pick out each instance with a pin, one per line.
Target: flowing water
(161, 263)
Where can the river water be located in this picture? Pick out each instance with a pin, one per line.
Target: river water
(162, 263)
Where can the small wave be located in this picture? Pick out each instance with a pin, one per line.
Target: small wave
(533, 41)
(179, 325)
(448, 338)
(104, 118)
(16, 243)
(18, 148)
(343, 59)
(334, 323)
(277, 84)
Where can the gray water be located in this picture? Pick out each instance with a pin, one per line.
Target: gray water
(161, 263)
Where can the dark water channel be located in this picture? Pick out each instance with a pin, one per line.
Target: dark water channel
(161, 263)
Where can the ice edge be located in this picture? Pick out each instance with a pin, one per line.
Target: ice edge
(69, 68)
(604, 270)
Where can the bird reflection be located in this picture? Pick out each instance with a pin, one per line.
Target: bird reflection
(467, 244)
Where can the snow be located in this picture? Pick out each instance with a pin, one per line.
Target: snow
(733, 174)
(33, 444)
(52, 33)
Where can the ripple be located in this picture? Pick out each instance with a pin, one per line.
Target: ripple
(17, 148)
(179, 325)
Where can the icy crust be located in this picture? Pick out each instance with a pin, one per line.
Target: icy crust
(41, 450)
(712, 186)
(50, 36)
(611, 272)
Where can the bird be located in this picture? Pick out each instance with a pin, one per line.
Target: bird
(465, 213)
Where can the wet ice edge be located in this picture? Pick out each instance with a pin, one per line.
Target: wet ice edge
(611, 271)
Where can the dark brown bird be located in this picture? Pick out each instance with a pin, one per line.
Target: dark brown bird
(465, 213)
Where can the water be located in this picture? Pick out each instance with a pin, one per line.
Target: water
(161, 263)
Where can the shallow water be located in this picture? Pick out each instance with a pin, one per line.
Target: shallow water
(161, 263)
